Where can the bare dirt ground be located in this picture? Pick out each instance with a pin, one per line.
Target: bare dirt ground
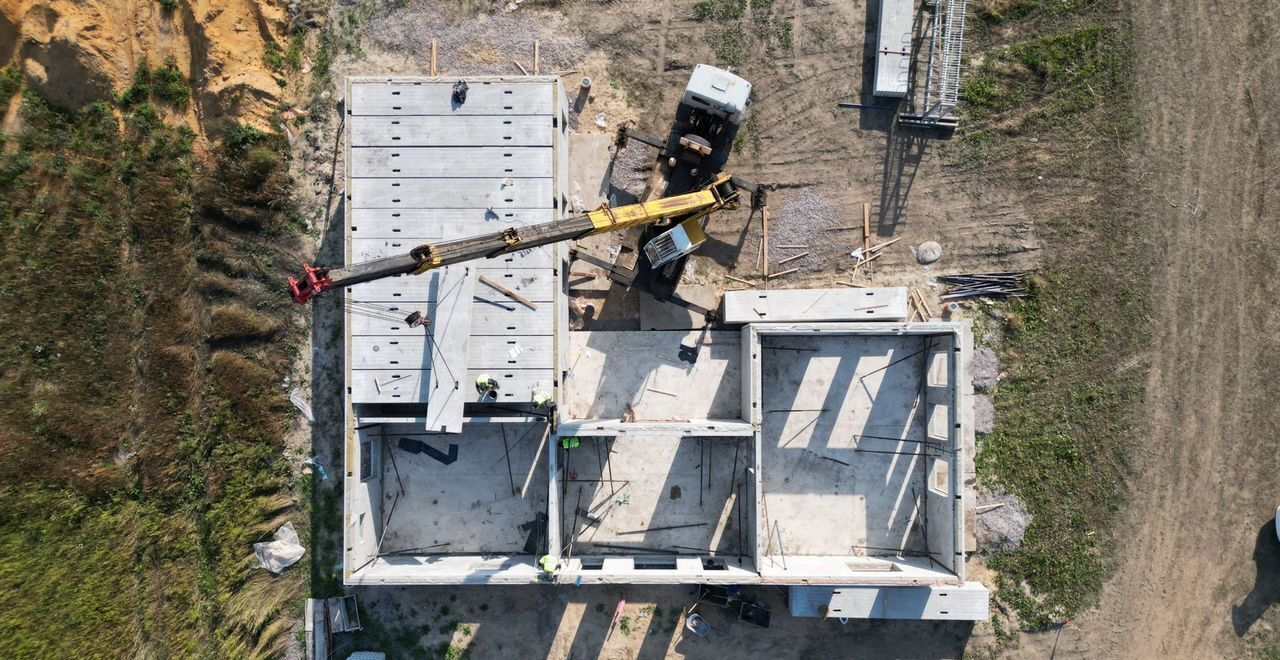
(1198, 561)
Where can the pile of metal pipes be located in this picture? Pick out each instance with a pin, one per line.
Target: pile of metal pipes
(1007, 285)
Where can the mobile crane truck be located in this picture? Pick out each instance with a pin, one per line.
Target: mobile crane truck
(721, 193)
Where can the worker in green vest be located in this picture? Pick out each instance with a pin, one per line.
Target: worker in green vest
(487, 388)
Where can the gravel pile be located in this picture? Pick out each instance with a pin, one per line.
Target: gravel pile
(482, 45)
(804, 217)
(1001, 526)
(985, 368)
(631, 168)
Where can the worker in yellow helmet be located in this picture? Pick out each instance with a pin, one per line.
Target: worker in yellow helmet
(487, 388)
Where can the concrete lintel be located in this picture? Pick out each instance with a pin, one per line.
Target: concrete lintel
(617, 427)
(455, 569)
(816, 305)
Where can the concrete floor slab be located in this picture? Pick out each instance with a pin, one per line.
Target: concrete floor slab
(841, 430)
(460, 492)
(610, 372)
(630, 485)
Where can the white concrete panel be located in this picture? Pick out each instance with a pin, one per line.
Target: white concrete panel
(511, 353)
(967, 602)
(450, 340)
(428, 224)
(804, 305)
(390, 352)
(893, 48)
(390, 293)
(511, 97)
(446, 131)
(486, 319)
(366, 249)
(392, 162)
(514, 385)
(387, 385)
(451, 193)
(489, 320)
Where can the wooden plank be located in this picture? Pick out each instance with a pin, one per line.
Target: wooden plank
(428, 224)
(433, 57)
(451, 193)
(866, 232)
(507, 97)
(536, 285)
(452, 131)
(793, 257)
(764, 213)
(509, 293)
(532, 352)
(456, 162)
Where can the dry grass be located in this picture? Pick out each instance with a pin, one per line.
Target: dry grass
(139, 464)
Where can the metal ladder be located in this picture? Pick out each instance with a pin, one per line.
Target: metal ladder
(942, 69)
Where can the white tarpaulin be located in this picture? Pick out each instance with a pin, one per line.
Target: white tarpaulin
(285, 551)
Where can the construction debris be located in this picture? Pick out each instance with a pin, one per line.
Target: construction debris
(283, 552)
(983, 284)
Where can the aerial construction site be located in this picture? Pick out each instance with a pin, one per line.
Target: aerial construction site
(512, 418)
(366, 329)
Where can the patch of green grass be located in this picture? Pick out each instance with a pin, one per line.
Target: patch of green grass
(719, 11)
(169, 5)
(10, 82)
(1057, 76)
(624, 625)
(995, 12)
(1066, 407)
(733, 37)
(165, 84)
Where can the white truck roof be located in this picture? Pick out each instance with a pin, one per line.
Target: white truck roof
(718, 91)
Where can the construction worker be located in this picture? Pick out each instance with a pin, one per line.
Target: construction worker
(487, 388)
(550, 565)
(543, 401)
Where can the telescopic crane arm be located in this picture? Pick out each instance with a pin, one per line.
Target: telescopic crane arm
(723, 192)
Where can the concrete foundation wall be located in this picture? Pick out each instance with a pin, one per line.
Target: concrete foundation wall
(936, 557)
(362, 504)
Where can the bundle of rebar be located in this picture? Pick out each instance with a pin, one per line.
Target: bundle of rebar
(972, 285)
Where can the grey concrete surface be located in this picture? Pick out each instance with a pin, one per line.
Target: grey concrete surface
(471, 503)
(839, 441)
(656, 482)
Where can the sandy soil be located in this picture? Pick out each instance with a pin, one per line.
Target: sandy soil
(75, 52)
(1198, 559)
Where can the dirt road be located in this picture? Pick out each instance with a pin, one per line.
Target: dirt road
(1206, 485)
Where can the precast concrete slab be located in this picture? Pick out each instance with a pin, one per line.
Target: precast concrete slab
(659, 376)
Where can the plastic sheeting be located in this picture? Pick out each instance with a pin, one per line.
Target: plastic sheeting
(285, 551)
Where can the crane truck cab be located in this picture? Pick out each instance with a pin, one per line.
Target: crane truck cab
(718, 92)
